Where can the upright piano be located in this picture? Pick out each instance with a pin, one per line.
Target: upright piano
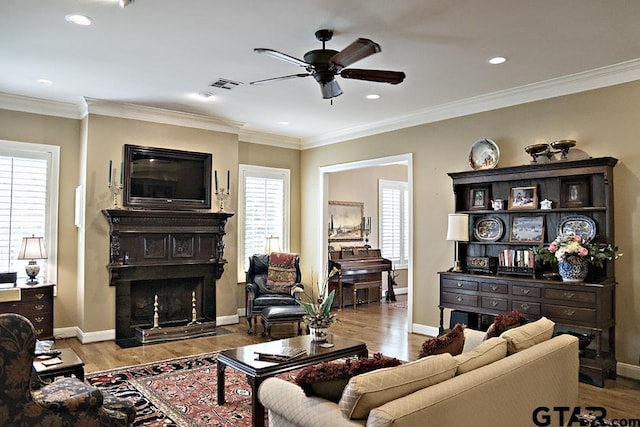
(359, 269)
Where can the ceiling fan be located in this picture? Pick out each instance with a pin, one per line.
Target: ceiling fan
(324, 64)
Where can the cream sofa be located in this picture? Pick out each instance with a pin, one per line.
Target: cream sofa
(447, 391)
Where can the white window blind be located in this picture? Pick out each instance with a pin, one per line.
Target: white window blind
(28, 195)
(394, 221)
(264, 210)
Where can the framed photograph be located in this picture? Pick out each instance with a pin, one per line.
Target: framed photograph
(479, 198)
(523, 198)
(345, 221)
(527, 229)
(574, 193)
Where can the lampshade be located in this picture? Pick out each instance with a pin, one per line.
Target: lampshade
(272, 245)
(458, 227)
(32, 248)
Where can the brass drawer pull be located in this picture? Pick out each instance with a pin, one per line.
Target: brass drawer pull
(459, 298)
(569, 295)
(39, 296)
(495, 303)
(39, 306)
(39, 319)
(494, 288)
(460, 284)
(39, 332)
(569, 312)
(526, 291)
(524, 307)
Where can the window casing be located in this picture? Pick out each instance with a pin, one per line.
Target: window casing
(394, 221)
(29, 186)
(263, 209)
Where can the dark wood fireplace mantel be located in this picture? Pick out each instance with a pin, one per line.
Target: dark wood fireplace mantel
(154, 248)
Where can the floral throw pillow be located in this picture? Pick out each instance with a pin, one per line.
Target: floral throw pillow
(281, 273)
(452, 342)
(328, 379)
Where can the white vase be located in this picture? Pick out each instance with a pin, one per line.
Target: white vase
(318, 334)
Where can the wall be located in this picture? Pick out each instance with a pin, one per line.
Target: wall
(604, 122)
(65, 133)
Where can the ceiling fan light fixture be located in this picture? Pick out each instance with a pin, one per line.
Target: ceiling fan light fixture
(330, 89)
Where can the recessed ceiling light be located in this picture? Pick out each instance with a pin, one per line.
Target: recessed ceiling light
(204, 95)
(44, 81)
(283, 123)
(78, 19)
(497, 60)
(373, 96)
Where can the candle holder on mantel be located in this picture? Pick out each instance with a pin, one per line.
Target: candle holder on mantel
(222, 197)
(115, 189)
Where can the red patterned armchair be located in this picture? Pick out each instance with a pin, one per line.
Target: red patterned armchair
(26, 401)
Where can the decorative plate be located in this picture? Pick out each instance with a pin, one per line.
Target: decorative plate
(578, 224)
(484, 154)
(488, 229)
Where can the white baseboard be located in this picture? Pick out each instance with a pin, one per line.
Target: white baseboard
(227, 320)
(401, 291)
(431, 331)
(71, 332)
(628, 370)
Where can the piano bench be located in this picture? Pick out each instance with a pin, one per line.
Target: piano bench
(281, 314)
(362, 285)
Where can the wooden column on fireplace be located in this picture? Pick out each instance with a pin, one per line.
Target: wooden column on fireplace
(157, 246)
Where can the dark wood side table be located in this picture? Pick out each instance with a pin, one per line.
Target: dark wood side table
(71, 365)
(245, 360)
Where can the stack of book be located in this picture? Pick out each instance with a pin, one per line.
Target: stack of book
(281, 354)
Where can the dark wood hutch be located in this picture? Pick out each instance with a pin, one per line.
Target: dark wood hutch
(588, 306)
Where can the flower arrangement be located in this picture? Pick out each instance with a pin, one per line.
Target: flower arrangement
(318, 313)
(566, 245)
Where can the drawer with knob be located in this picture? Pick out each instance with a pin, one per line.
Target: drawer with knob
(468, 285)
(460, 299)
(561, 313)
(525, 291)
(570, 295)
(495, 288)
(526, 307)
(499, 304)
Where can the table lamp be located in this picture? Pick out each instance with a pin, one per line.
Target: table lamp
(458, 231)
(32, 249)
(272, 245)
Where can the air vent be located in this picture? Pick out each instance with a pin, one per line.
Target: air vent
(225, 84)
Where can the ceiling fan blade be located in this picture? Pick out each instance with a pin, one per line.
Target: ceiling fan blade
(282, 56)
(381, 76)
(330, 89)
(292, 76)
(356, 51)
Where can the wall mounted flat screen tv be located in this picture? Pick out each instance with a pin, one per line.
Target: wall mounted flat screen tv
(161, 178)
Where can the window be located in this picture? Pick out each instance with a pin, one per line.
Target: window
(28, 203)
(263, 211)
(394, 221)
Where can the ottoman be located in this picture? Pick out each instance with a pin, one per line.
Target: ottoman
(281, 314)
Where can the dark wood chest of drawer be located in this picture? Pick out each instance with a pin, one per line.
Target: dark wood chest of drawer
(33, 302)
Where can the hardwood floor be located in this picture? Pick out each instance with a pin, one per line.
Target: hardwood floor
(382, 327)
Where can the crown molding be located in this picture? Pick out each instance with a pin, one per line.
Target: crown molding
(26, 104)
(580, 82)
(270, 139)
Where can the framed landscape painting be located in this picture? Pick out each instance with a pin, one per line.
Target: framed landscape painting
(345, 221)
(527, 229)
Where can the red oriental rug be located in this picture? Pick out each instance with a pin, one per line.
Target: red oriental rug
(180, 392)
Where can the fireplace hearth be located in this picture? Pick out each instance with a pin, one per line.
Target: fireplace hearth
(173, 255)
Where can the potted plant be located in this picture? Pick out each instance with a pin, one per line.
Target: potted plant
(573, 254)
(318, 315)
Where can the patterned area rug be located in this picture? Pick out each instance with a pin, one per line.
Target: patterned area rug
(398, 304)
(180, 392)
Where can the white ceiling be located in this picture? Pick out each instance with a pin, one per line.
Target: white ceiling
(158, 53)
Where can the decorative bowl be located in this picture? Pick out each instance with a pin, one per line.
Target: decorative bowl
(563, 146)
(536, 150)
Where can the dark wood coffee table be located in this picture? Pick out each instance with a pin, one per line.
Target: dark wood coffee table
(71, 365)
(245, 360)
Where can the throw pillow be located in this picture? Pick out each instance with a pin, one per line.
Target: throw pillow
(373, 389)
(528, 335)
(328, 379)
(487, 352)
(506, 321)
(281, 273)
(451, 342)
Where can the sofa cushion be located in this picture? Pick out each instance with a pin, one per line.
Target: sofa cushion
(281, 275)
(451, 342)
(367, 391)
(506, 321)
(528, 335)
(488, 351)
(328, 379)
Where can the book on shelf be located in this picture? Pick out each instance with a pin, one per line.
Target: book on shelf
(282, 354)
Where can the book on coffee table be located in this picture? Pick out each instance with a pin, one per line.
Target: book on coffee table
(282, 354)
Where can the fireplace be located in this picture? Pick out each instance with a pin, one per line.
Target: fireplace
(165, 264)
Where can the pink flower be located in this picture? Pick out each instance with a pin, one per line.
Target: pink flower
(575, 238)
(553, 247)
(583, 252)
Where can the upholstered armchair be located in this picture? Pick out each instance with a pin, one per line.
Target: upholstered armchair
(27, 401)
(271, 287)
